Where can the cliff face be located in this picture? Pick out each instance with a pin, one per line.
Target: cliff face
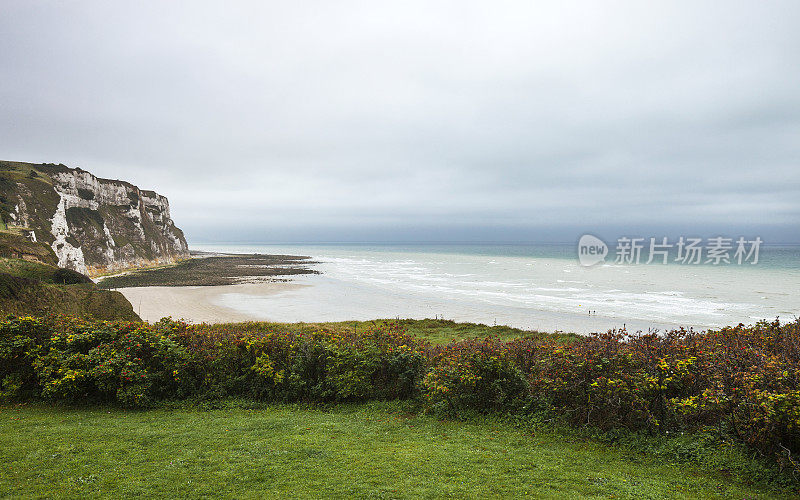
(93, 225)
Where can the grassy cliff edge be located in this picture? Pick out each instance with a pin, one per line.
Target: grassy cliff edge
(36, 289)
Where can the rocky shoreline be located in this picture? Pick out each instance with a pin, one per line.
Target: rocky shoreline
(216, 269)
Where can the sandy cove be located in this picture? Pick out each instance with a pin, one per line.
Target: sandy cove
(197, 304)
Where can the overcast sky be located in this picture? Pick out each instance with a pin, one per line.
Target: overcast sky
(276, 121)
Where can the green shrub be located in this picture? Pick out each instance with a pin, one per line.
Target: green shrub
(474, 375)
(742, 381)
(21, 340)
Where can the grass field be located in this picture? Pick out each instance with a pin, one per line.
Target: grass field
(436, 331)
(284, 451)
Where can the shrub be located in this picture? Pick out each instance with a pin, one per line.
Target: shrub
(129, 363)
(742, 381)
(20, 344)
(474, 375)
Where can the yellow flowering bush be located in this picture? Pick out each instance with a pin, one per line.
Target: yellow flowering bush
(742, 380)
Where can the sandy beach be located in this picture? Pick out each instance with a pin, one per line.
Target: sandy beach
(547, 293)
(198, 304)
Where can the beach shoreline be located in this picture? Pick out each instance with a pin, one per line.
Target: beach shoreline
(199, 304)
(294, 302)
(546, 293)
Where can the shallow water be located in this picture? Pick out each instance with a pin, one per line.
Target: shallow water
(539, 287)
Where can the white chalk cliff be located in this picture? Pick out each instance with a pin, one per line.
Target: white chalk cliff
(93, 225)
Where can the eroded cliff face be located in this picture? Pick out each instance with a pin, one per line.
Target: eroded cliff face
(93, 225)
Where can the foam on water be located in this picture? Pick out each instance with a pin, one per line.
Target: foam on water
(544, 292)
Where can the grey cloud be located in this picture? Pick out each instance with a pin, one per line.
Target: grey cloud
(367, 116)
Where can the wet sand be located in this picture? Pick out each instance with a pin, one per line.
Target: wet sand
(198, 304)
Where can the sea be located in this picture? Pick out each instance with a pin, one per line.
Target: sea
(540, 287)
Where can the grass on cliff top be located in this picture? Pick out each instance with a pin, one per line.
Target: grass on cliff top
(349, 451)
(21, 170)
(32, 288)
(27, 297)
(437, 331)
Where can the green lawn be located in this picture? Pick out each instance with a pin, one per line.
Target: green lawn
(443, 331)
(436, 331)
(286, 451)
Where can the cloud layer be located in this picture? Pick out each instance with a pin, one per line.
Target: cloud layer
(372, 120)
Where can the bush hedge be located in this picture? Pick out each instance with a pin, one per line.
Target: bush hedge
(742, 380)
